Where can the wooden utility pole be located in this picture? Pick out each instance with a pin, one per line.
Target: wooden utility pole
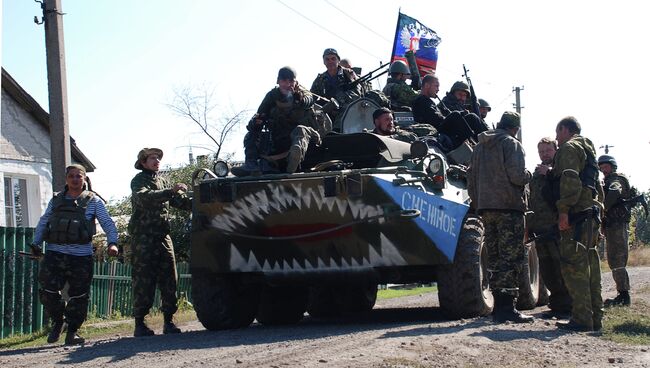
(57, 91)
(517, 105)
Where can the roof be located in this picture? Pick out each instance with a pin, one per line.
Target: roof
(27, 102)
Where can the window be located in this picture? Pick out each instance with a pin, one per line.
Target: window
(16, 209)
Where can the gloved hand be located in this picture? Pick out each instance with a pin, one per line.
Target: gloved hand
(37, 252)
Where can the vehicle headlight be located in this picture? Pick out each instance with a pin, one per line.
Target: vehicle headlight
(221, 169)
(434, 166)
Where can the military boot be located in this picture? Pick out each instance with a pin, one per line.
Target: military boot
(55, 333)
(249, 168)
(141, 328)
(505, 310)
(293, 159)
(169, 327)
(623, 299)
(72, 338)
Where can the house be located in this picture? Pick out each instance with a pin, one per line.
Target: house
(25, 159)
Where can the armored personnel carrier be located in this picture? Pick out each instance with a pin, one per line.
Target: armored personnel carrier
(366, 210)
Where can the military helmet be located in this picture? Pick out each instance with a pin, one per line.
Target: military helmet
(144, 153)
(460, 86)
(607, 159)
(331, 51)
(483, 103)
(399, 66)
(286, 72)
(509, 120)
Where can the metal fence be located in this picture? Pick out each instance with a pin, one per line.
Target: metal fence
(22, 312)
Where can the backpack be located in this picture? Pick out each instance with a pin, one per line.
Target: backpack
(68, 223)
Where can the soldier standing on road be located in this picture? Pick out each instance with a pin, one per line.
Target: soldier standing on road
(577, 189)
(616, 224)
(383, 120)
(152, 254)
(542, 221)
(68, 226)
(496, 179)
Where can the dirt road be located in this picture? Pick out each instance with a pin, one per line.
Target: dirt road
(404, 332)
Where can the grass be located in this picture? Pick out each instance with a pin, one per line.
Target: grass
(638, 256)
(628, 325)
(405, 291)
(96, 328)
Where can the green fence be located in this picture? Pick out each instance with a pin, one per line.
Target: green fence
(22, 313)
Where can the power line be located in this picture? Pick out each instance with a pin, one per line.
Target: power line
(328, 31)
(356, 21)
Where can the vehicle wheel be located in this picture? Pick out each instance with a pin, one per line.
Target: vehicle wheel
(223, 303)
(282, 305)
(341, 300)
(529, 287)
(544, 294)
(463, 287)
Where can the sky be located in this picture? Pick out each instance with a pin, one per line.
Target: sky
(124, 59)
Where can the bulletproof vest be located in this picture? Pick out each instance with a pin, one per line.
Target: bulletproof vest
(589, 174)
(618, 212)
(67, 223)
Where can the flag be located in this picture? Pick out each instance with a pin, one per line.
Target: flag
(413, 35)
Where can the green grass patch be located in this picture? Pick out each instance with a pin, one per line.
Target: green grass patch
(405, 291)
(97, 328)
(627, 325)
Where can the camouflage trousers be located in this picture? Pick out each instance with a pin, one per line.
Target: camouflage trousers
(55, 270)
(616, 240)
(154, 265)
(504, 239)
(548, 252)
(581, 272)
(301, 136)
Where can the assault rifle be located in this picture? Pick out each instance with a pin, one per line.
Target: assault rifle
(368, 77)
(632, 202)
(574, 219)
(474, 106)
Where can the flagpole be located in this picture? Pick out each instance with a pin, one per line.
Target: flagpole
(399, 14)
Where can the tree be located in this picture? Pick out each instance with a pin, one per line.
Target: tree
(197, 105)
(640, 225)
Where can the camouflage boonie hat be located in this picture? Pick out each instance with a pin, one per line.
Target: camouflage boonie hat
(510, 119)
(144, 153)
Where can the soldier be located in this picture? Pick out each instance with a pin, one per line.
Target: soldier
(496, 179)
(616, 224)
(456, 98)
(69, 252)
(287, 112)
(484, 107)
(543, 221)
(383, 120)
(576, 188)
(401, 95)
(152, 250)
(335, 79)
(425, 110)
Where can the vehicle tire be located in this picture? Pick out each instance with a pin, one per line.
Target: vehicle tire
(463, 287)
(544, 294)
(223, 303)
(282, 305)
(341, 300)
(529, 286)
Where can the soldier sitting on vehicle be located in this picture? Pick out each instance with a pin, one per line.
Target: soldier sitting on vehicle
(384, 125)
(287, 113)
(453, 106)
(401, 95)
(484, 107)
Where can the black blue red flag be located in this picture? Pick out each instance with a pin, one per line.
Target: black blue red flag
(413, 35)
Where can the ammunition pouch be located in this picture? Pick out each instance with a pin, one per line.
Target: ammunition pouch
(67, 223)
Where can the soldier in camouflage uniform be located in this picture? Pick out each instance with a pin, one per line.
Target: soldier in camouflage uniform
(496, 179)
(69, 252)
(383, 120)
(542, 222)
(616, 224)
(576, 186)
(401, 95)
(153, 260)
(288, 114)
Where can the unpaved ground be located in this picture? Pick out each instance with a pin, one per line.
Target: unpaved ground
(405, 332)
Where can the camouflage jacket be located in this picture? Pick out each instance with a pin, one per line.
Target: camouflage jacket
(400, 94)
(401, 135)
(616, 187)
(283, 113)
(568, 164)
(425, 111)
(451, 103)
(497, 173)
(151, 197)
(544, 214)
(329, 87)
